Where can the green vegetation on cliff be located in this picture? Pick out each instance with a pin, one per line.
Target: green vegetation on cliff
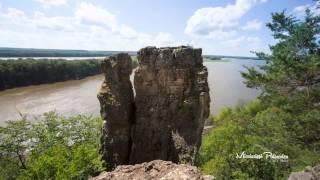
(15, 73)
(53, 147)
(255, 129)
(284, 119)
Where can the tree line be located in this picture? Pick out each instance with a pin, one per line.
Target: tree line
(15, 73)
(28, 52)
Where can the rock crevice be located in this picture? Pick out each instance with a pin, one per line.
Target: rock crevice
(165, 120)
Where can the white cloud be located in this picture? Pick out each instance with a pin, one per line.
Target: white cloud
(54, 23)
(221, 35)
(244, 40)
(221, 24)
(15, 16)
(252, 25)
(47, 3)
(164, 39)
(90, 27)
(128, 32)
(300, 10)
(210, 19)
(239, 45)
(15, 13)
(94, 27)
(94, 15)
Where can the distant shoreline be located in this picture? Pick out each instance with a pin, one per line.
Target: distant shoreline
(8, 52)
(32, 53)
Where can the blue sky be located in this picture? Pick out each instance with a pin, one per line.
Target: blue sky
(221, 27)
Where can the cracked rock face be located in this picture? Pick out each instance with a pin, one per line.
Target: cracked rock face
(310, 173)
(172, 103)
(166, 118)
(154, 170)
(117, 106)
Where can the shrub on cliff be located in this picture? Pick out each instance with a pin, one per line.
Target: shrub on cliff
(51, 147)
(253, 129)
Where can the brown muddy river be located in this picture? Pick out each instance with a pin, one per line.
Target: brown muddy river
(80, 96)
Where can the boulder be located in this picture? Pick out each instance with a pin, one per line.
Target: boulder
(154, 170)
(117, 109)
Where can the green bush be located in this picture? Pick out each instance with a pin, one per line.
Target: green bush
(62, 162)
(253, 129)
(52, 147)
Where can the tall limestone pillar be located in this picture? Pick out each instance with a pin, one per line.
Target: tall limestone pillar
(165, 119)
(172, 103)
(117, 109)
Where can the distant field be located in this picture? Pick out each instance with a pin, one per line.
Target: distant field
(217, 57)
(215, 60)
(26, 52)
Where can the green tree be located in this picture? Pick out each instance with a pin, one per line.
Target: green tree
(62, 162)
(13, 141)
(284, 119)
(291, 79)
(293, 68)
(52, 147)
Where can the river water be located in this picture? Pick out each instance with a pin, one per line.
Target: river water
(80, 96)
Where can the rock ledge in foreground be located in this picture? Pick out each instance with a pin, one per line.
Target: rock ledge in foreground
(310, 173)
(154, 170)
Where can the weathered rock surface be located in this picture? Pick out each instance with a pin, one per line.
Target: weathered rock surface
(172, 104)
(166, 118)
(310, 173)
(154, 170)
(117, 109)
